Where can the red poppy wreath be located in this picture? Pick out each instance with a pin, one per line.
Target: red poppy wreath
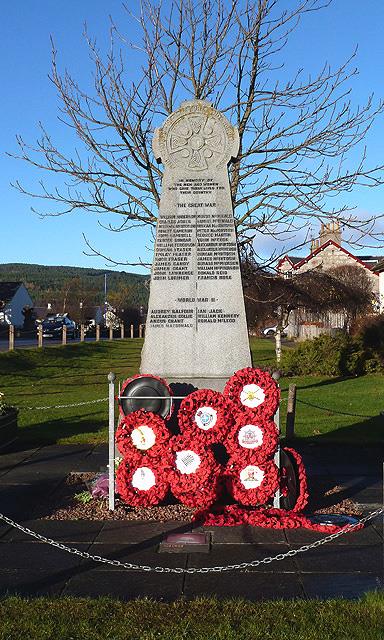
(141, 484)
(302, 499)
(205, 414)
(252, 483)
(142, 432)
(253, 390)
(194, 474)
(252, 437)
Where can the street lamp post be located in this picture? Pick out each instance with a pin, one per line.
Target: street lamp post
(105, 299)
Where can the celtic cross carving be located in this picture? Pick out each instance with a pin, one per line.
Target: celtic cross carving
(196, 137)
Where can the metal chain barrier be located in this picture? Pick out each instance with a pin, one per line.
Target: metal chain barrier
(64, 406)
(333, 411)
(231, 567)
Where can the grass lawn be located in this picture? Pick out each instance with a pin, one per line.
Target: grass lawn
(201, 619)
(327, 408)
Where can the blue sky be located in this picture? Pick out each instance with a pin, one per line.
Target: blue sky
(28, 97)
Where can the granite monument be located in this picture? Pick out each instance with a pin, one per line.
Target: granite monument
(196, 329)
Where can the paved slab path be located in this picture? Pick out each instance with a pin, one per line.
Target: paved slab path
(348, 567)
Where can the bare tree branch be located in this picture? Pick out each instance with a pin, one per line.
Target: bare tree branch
(298, 135)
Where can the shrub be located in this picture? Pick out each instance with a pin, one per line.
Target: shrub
(339, 355)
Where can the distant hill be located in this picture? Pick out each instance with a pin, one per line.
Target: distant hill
(41, 280)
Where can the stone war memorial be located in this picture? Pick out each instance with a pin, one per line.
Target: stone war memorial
(220, 453)
(196, 329)
(200, 422)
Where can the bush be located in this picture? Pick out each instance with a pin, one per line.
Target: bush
(339, 355)
(370, 330)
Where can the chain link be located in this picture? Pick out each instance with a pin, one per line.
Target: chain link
(65, 406)
(231, 567)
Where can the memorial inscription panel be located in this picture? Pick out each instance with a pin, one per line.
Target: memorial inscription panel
(195, 284)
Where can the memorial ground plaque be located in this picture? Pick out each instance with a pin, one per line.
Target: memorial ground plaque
(196, 329)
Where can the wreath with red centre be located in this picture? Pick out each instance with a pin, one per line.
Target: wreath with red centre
(143, 433)
(194, 476)
(206, 414)
(142, 483)
(254, 390)
(302, 499)
(252, 483)
(252, 437)
(145, 375)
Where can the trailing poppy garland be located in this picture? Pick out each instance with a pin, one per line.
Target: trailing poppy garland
(206, 414)
(252, 483)
(194, 474)
(252, 437)
(253, 389)
(142, 432)
(142, 483)
(233, 515)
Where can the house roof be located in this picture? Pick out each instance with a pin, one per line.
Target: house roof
(292, 259)
(379, 267)
(8, 290)
(369, 262)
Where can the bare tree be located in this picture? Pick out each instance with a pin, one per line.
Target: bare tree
(364, 301)
(296, 133)
(72, 296)
(273, 296)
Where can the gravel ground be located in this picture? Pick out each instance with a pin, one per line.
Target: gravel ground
(325, 499)
(63, 505)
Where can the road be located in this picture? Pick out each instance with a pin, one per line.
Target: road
(27, 343)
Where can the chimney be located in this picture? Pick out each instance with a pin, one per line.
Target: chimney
(330, 231)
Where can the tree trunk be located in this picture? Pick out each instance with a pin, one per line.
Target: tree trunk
(278, 344)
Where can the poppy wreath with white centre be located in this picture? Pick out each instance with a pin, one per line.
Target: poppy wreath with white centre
(143, 433)
(252, 437)
(252, 483)
(206, 414)
(254, 390)
(142, 483)
(195, 473)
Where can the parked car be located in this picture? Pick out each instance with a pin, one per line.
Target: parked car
(271, 331)
(53, 327)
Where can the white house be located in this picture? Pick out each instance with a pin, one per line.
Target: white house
(328, 253)
(13, 298)
(380, 270)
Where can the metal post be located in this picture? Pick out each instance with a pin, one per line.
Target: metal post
(122, 331)
(64, 336)
(97, 332)
(291, 410)
(131, 330)
(277, 457)
(110, 332)
(277, 496)
(11, 345)
(111, 442)
(105, 300)
(82, 333)
(40, 335)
